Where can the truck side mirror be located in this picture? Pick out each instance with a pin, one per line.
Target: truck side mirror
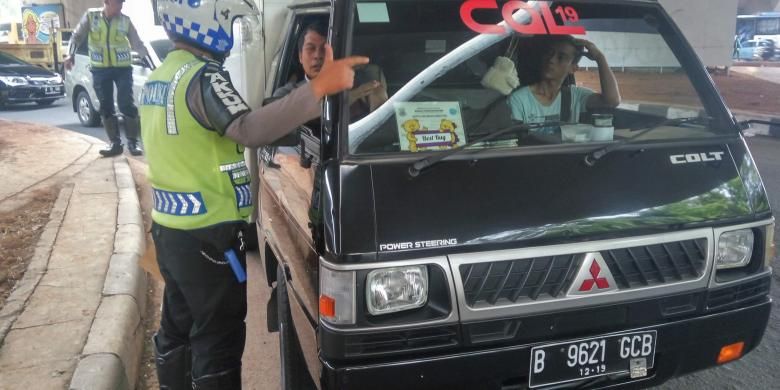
(774, 125)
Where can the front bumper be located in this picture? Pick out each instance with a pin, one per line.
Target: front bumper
(31, 93)
(682, 347)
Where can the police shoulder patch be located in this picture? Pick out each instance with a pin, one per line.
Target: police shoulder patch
(222, 102)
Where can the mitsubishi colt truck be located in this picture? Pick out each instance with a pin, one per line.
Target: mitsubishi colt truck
(436, 241)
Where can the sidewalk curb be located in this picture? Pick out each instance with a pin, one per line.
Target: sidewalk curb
(111, 356)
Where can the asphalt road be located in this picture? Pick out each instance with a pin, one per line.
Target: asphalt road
(59, 114)
(758, 370)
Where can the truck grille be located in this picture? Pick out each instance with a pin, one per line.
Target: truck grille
(531, 279)
(652, 265)
(515, 280)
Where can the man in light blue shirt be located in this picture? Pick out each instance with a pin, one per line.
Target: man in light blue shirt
(541, 101)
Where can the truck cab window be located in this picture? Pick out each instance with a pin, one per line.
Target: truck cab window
(446, 82)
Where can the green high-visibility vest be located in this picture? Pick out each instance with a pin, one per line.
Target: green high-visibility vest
(107, 40)
(198, 177)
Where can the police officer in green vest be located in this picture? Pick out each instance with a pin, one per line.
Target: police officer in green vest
(194, 125)
(110, 36)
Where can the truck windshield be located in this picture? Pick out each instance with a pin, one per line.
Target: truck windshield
(443, 74)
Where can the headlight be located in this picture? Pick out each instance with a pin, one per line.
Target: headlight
(734, 249)
(13, 80)
(337, 296)
(57, 79)
(394, 289)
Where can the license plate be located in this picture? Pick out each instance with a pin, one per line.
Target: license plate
(51, 90)
(574, 360)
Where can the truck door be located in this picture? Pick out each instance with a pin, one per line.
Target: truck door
(287, 182)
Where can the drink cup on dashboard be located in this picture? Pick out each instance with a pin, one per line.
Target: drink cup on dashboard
(602, 127)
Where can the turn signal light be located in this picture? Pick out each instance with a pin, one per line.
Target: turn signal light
(730, 352)
(327, 306)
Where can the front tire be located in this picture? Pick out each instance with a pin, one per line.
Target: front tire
(85, 111)
(293, 375)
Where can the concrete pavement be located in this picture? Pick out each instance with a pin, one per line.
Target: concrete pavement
(771, 74)
(74, 320)
(767, 73)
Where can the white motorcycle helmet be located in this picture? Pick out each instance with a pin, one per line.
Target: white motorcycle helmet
(207, 24)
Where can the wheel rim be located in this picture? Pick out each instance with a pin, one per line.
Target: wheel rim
(84, 109)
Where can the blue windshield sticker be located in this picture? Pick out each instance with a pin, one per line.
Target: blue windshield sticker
(373, 13)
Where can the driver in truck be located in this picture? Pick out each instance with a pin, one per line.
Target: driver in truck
(546, 97)
(371, 91)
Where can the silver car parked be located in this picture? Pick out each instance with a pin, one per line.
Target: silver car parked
(78, 81)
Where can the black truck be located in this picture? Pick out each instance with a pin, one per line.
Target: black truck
(442, 240)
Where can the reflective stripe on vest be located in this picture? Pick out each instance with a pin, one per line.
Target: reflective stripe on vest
(107, 40)
(178, 203)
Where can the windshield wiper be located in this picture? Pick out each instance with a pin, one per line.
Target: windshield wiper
(420, 165)
(593, 156)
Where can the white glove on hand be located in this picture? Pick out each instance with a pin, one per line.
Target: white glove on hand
(502, 76)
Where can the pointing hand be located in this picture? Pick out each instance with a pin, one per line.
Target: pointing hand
(336, 75)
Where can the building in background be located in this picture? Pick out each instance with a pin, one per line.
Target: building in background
(751, 7)
(708, 25)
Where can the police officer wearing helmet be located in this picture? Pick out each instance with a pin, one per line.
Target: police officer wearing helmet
(194, 125)
(110, 35)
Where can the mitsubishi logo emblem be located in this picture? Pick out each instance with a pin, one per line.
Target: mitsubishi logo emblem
(601, 283)
(593, 277)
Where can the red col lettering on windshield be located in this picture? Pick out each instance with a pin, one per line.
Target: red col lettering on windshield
(543, 23)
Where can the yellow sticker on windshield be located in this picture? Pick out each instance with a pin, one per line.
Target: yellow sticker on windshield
(424, 126)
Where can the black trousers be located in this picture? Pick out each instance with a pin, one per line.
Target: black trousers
(203, 303)
(104, 79)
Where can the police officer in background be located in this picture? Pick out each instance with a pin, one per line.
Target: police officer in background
(110, 36)
(194, 123)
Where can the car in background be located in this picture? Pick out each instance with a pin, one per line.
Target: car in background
(755, 50)
(22, 82)
(765, 50)
(78, 80)
(746, 50)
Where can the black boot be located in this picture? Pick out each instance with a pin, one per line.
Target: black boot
(173, 367)
(111, 125)
(134, 149)
(132, 128)
(113, 149)
(225, 380)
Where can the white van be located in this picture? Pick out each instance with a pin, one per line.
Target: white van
(78, 81)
